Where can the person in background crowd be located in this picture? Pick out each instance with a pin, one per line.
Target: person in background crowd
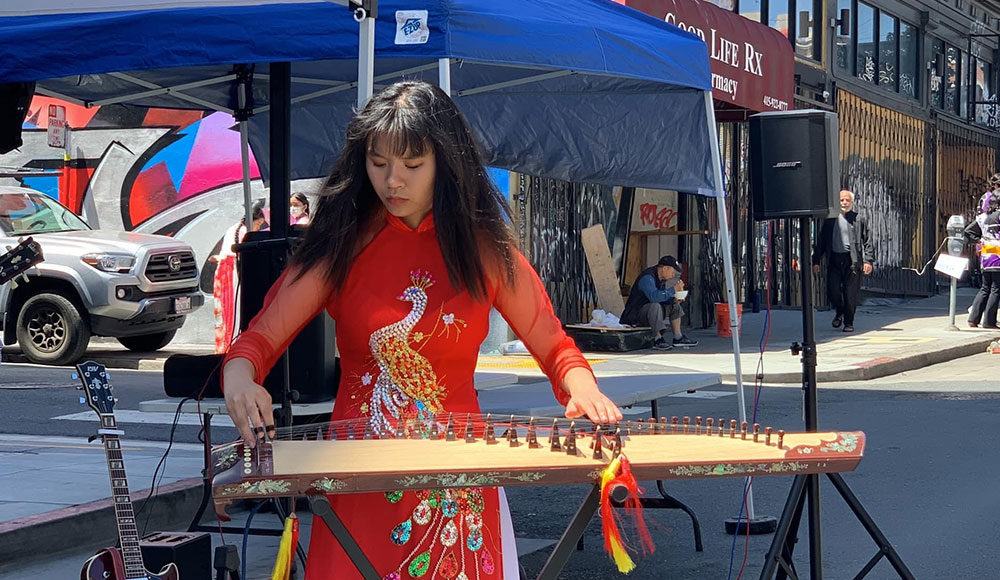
(298, 208)
(985, 230)
(654, 300)
(846, 243)
(227, 279)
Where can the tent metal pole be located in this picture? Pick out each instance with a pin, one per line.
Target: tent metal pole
(444, 75)
(245, 157)
(727, 258)
(366, 56)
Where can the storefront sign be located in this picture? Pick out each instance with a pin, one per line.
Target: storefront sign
(752, 64)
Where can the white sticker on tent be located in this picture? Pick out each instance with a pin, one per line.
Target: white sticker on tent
(411, 27)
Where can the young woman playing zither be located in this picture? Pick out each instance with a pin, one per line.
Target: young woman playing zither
(408, 250)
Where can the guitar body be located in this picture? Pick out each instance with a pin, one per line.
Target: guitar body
(108, 565)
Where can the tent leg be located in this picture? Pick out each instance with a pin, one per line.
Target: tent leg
(245, 159)
(444, 75)
(366, 58)
(727, 258)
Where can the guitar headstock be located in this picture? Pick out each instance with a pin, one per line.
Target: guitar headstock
(100, 396)
(18, 259)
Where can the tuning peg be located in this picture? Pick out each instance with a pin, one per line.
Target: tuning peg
(75, 376)
(13, 284)
(83, 400)
(24, 276)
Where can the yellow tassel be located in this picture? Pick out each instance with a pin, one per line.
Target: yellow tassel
(286, 549)
(621, 557)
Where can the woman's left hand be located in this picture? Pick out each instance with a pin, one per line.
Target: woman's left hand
(587, 399)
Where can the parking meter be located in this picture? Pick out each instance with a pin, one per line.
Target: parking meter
(956, 234)
(956, 243)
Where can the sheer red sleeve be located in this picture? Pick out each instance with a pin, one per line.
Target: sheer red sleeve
(288, 307)
(526, 307)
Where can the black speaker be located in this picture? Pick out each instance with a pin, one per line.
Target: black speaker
(15, 98)
(191, 551)
(312, 362)
(794, 167)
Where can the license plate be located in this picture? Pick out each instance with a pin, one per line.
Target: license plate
(182, 304)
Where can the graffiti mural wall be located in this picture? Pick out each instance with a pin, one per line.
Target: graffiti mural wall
(170, 172)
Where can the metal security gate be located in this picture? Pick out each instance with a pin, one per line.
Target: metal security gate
(550, 215)
(966, 158)
(883, 160)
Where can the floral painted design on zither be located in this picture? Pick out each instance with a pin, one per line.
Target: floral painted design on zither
(328, 484)
(492, 478)
(845, 443)
(259, 487)
(728, 469)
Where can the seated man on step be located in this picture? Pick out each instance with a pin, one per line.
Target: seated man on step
(654, 300)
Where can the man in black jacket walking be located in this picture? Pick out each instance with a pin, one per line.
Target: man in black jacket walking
(846, 243)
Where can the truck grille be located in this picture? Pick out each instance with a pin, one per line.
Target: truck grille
(165, 267)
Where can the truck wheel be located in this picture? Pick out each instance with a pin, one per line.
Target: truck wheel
(147, 342)
(51, 331)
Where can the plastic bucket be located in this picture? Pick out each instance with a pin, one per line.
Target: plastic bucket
(722, 318)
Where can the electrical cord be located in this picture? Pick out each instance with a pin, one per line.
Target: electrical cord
(758, 384)
(246, 538)
(923, 268)
(154, 485)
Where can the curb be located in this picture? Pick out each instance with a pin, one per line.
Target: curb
(93, 525)
(883, 368)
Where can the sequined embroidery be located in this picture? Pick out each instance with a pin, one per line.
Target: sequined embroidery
(405, 377)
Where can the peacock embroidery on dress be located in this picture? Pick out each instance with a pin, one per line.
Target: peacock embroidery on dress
(406, 385)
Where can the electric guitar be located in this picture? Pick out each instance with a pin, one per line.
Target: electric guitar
(18, 259)
(114, 563)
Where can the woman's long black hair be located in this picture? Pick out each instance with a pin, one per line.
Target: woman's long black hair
(470, 213)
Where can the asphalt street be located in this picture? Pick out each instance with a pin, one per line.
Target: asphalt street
(927, 478)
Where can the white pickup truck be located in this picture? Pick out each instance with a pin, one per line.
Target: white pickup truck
(137, 288)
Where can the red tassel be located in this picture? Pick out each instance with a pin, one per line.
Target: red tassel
(618, 473)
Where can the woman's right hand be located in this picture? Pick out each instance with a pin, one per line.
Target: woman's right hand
(248, 404)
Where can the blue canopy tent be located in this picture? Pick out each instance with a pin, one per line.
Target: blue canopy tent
(581, 90)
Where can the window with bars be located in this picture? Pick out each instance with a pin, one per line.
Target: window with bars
(879, 48)
(795, 19)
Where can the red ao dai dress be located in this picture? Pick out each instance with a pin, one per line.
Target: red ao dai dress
(409, 343)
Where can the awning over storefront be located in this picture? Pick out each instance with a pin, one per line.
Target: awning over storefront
(752, 65)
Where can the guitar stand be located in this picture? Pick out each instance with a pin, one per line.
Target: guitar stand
(803, 486)
(550, 571)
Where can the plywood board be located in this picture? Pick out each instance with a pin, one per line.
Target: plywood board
(602, 270)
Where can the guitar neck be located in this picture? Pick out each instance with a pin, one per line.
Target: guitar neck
(128, 532)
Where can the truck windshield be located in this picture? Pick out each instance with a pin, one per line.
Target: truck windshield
(35, 213)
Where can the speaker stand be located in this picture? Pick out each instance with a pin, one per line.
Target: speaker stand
(807, 486)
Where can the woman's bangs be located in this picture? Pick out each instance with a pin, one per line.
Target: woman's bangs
(401, 133)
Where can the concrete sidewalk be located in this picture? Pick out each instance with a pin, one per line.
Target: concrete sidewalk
(891, 336)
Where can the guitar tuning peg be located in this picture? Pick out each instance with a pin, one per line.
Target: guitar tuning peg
(24, 276)
(83, 400)
(75, 376)
(13, 285)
